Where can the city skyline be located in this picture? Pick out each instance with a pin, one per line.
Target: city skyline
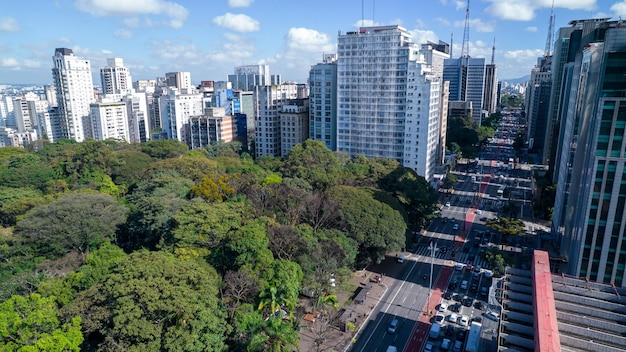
(210, 39)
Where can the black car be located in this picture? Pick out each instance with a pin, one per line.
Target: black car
(456, 298)
(474, 288)
(447, 295)
(468, 301)
(479, 305)
(461, 335)
(449, 330)
(477, 319)
(452, 285)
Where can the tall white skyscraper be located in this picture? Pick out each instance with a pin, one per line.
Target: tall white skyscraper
(371, 78)
(74, 89)
(180, 80)
(467, 82)
(115, 77)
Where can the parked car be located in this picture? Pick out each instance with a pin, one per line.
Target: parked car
(445, 344)
(464, 285)
(447, 295)
(492, 315)
(455, 227)
(458, 346)
(442, 307)
(474, 287)
(449, 331)
(459, 266)
(464, 320)
(453, 318)
(483, 291)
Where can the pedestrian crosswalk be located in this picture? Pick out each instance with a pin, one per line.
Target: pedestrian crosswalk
(446, 254)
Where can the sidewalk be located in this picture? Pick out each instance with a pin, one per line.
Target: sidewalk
(353, 311)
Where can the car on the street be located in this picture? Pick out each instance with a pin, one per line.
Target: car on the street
(474, 288)
(471, 257)
(483, 291)
(483, 219)
(488, 274)
(442, 307)
(468, 301)
(469, 267)
(476, 276)
(429, 347)
(464, 285)
(452, 285)
(458, 346)
(477, 319)
(448, 204)
(393, 326)
(449, 330)
(479, 305)
(459, 266)
(477, 269)
(447, 295)
(461, 335)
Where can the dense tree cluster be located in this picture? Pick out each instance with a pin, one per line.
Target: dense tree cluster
(150, 247)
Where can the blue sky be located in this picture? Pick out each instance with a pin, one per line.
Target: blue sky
(210, 37)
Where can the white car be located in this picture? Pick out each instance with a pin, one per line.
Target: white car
(491, 315)
(488, 274)
(453, 318)
(464, 320)
(393, 326)
(439, 318)
(459, 266)
(455, 227)
(443, 307)
(448, 204)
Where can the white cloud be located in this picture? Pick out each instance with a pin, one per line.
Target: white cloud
(460, 5)
(237, 22)
(619, 9)
(308, 40)
(517, 63)
(123, 33)
(32, 64)
(176, 12)
(423, 36)
(477, 24)
(524, 10)
(240, 3)
(9, 24)
(531, 29)
(10, 62)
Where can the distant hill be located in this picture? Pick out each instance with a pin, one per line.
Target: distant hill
(517, 80)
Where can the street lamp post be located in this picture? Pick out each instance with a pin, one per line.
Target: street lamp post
(433, 249)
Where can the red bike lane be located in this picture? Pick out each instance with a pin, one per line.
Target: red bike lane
(419, 336)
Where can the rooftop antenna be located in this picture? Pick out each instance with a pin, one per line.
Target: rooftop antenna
(465, 47)
(362, 13)
(451, 43)
(548, 49)
(493, 51)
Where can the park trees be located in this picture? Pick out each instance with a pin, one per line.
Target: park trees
(153, 301)
(77, 221)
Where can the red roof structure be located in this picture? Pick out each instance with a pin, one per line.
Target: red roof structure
(546, 327)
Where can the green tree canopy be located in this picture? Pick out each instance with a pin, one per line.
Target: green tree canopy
(77, 221)
(153, 301)
(313, 162)
(164, 149)
(373, 218)
(31, 324)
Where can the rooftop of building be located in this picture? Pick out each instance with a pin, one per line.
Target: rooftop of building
(590, 316)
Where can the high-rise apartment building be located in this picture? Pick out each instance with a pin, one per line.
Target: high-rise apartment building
(323, 101)
(215, 125)
(74, 88)
(268, 102)
(422, 136)
(591, 193)
(467, 82)
(294, 124)
(109, 120)
(538, 103)
(248, 76)
(138, 117)
(176, 109)
(382, 78)
(372, 65)
(490, 98)
(180, 80)
(115, 77)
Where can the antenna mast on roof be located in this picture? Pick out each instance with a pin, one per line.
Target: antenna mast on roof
(362, 13)
(548, 49)
(465, 47)
(451, 43)
(493, 51)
